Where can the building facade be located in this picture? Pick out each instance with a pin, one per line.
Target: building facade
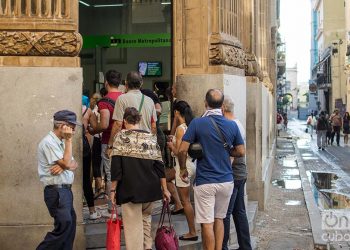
(327, 70)
(347, 55)
(292, 85)
(226, 44)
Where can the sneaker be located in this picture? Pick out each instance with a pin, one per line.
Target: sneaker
(95, 215)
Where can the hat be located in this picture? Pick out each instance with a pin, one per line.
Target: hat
(66, 116)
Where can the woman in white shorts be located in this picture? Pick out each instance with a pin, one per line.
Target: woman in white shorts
(183, 114)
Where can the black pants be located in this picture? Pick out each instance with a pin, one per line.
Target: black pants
(87, 187)
(96, 157)
(59, 202)
(336, 130)
(236, 209)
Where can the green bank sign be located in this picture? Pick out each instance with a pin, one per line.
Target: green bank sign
(128, 41)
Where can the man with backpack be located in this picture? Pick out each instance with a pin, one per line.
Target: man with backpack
(321, 128)
(106, 108)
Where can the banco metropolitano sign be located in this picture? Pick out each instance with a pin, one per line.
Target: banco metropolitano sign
(127, 41)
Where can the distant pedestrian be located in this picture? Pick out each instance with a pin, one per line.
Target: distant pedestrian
(213, 183)
(321, 128)
(236, 208)
(279, 122)
(55, 167)
(336, 120)
(285, 121)
(346, 128)
(311, 122)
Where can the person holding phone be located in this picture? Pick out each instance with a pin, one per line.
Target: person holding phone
(55, 168)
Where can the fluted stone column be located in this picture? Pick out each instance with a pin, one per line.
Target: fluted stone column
(40, 74)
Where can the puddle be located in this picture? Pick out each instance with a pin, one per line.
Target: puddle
(287, 184)
(306, 154)
(290, 173)
(324, 190)
(289, 163)
(310, 158)
(293, 203)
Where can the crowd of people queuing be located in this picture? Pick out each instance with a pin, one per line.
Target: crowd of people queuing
(135, 164)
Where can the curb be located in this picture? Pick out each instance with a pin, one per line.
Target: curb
(314, 212)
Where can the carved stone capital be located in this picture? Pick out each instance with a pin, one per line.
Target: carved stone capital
(26, 43)
(221, 54)
(252, 67)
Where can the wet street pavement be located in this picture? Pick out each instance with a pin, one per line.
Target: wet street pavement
(306, 184)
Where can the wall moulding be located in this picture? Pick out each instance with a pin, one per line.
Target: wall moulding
(26, 43)
(226, 50)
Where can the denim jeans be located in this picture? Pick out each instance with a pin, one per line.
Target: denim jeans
(60, 205)
(237, 210)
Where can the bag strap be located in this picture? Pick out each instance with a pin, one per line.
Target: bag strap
(107, 100)
(83, 117)
(114, 211)
(226, 146)
(165, 210)
(141, 104)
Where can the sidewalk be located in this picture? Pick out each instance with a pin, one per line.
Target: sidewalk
(285, 222)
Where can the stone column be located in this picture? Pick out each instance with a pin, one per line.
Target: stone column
(207, 52)
(40, 74)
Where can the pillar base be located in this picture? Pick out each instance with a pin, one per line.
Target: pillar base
(30, 96)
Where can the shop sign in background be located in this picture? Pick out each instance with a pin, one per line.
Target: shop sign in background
(128, 41)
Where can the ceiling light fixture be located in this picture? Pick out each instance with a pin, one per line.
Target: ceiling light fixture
(108, 5)
(83, 3)
(166, 3)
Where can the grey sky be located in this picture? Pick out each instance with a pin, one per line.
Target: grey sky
(295, 29)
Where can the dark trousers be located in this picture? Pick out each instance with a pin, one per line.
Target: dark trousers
(87, 187)
(336, 130)
(96, 157)
(60, 205)
(236, 208)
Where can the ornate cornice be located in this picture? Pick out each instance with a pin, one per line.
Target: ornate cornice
(50, 43)
(252, 67)
(226, 50)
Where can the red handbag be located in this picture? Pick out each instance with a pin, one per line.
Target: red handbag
(166, 238)
(113, 231)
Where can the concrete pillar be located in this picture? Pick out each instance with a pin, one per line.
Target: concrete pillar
(40, 75)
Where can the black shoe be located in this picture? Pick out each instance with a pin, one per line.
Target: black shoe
(194, 238)
(319, 148)
(180, 211)
(322, 148)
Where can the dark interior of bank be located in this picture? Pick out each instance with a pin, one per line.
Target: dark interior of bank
(126, 35)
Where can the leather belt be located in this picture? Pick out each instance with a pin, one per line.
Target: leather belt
(67, 186)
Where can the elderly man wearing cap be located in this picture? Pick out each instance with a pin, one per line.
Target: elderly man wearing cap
(55, 168)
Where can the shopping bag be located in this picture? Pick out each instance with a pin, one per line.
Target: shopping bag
(113, 231)
(166, 238)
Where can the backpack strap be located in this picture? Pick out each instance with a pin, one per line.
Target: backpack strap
(107, 100)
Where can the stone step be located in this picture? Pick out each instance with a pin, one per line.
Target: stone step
(96, 233)
(252, 212)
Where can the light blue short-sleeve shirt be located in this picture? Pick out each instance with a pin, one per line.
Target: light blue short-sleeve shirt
(50, 150)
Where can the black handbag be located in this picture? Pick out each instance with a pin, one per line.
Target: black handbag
(195, 151)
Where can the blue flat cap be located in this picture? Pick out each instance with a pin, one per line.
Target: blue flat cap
(66, 116)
